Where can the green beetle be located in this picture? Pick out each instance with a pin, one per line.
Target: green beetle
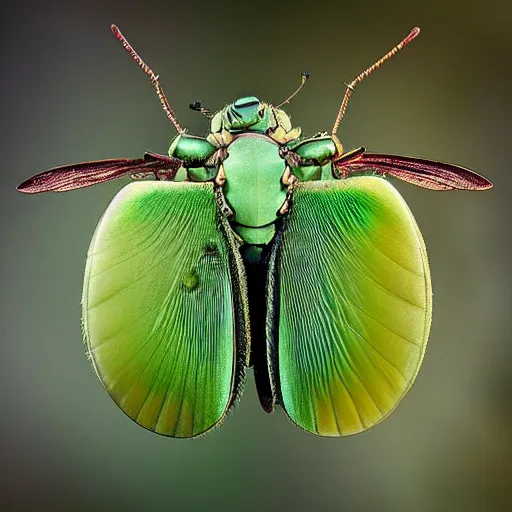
(272, 250)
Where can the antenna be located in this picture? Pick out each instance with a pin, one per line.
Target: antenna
(359, 78)
(152, 77)
(304, 77)
(198, 107)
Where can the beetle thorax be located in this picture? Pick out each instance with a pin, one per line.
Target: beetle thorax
(253, 186)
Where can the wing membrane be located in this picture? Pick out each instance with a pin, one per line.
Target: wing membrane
(164, 307)
(351, 283)
(423, 173)
(86, 174)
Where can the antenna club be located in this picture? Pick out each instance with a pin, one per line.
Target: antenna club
(304, 77)
(115, 30)
(414, 33)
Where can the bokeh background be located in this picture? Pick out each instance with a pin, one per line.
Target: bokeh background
(70, 93)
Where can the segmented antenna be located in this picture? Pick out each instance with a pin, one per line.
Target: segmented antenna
(350, 87)
(304, 77)
(152, 77)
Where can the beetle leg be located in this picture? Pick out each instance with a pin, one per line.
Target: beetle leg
(141, 175)
(215, 139)
(220, 179)
(223, 204)
(285, 208)
(226, 137)
(341, 172)
(290, 181)
(288, 178)
(163, 175)
(291, 158)
(222, 154)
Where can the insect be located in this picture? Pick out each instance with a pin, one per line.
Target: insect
(272, 250)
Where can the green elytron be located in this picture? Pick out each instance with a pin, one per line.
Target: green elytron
(272, 250)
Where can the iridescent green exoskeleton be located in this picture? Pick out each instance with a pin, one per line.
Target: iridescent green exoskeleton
(273, 250)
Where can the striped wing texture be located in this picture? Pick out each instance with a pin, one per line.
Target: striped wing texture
(165, 309)
(351, 290)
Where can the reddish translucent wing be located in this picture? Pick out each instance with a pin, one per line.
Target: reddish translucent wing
(70, 177)
(423, 173)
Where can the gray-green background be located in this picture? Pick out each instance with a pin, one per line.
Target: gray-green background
(70, 93)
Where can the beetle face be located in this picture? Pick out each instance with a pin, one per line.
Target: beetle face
(244, 114)
(249, 114)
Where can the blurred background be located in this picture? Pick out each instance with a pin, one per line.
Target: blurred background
(70, 93)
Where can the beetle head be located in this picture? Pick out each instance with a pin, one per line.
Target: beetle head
(245, 114)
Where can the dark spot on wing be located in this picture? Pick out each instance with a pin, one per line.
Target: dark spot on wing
(211, 249)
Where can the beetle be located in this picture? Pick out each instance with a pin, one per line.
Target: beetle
(273, 251)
